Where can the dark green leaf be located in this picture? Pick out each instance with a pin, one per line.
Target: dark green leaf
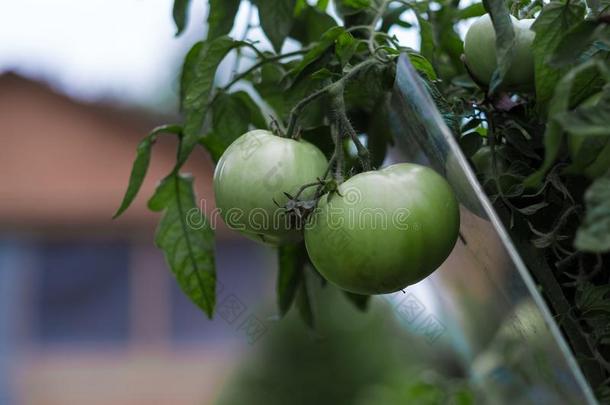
(221, 17)
(310, 25)
(232, 115)
(559, 105)
(587, 121)
(361, 302)
(140, 165)
(290, 272)
(303, 303)
(594, 232)
(392, 17)
(187, 240)
(180, 13)
(554, 21)
(422, 65)
(322, 5)
(196, 84)
(276, 18)
(345, 47)
(473, 10)
(505, 38)
(470, 143)
(426, 45)
(327, 40)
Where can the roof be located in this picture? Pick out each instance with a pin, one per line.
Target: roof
(65, 164)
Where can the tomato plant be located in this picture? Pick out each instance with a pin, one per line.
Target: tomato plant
(513, 94)
(384, 229)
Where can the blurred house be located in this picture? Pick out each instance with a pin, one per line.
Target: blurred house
(89, 312)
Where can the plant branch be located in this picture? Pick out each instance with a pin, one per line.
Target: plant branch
(261, 63)
(296, 110)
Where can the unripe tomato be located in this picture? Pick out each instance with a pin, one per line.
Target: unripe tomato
(480, 52)
(600, 163)
(256, 169)
(385, 229)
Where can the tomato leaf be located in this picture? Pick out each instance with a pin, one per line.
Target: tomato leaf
(345, 47)
(473, 10)
(232, 115)
(576, 42)
(326, 41)
(180, 14)
(554, 21)
(303, 303)
(186, 239)
(588, 121)
(505, 39)
(276, 18)
(221, 17)
(140, 165)
(559, 105)
(310, 25)
(290, 273)
(594, 232)
(196, 84)
(426, 44)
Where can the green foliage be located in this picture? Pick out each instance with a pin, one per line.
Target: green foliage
(334, 91)
(555, 20)
(140, 165)
(594, 233)
(277, 19)
(221, 16)
(186, 239)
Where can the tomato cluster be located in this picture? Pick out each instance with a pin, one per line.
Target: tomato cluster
(378, 232)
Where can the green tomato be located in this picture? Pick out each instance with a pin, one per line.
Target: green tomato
(254, 173)
(482, 161)
(601, 161)
(384, 230)
(480, 52)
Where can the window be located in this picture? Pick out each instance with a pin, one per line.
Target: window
(82, 293)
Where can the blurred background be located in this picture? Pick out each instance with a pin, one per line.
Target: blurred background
(90, 313)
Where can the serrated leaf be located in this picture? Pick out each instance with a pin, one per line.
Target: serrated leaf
(187, 240)
(197, 80)
(553, 135)
(553, 22)
(221, 17)
(290, 272)
(140, 165)
(576, 42)
(505, 39)
(593, 235)
(361, 302)
(276, 18)
(180, 14)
